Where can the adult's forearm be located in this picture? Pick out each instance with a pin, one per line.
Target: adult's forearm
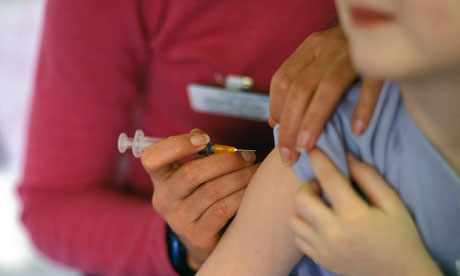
(98, 230)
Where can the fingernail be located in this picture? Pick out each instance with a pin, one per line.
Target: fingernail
(358, 127)
(286, 155)
(351, 158)
(302, 141)
(248, 156)
(199, 140)
(194, 130)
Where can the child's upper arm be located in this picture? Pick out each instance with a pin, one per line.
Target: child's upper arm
(259, 241)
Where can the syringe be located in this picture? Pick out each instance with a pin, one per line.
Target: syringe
(140, 142)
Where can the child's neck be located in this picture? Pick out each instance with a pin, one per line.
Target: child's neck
(434, 103)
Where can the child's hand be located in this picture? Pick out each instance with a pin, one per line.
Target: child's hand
(352, 236)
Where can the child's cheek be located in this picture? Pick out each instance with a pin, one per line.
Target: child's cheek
(429, 20)
(433, 26)
(431, 14)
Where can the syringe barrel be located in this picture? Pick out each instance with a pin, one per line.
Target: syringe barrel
(138, 144)
(141, 142)
(150, 140)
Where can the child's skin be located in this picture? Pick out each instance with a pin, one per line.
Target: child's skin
(417, 45)
(343, 238)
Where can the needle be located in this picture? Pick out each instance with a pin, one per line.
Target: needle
(216, 148)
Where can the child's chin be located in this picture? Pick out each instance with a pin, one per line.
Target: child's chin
(365, 61)
(372, 69)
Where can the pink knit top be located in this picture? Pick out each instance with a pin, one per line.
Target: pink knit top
(114, 66)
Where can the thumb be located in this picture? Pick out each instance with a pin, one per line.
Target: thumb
(378, 192)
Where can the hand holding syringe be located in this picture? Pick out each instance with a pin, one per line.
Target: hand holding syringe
(182, 184)
(140, 142)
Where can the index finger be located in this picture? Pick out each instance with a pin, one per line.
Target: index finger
(285, 75)
(160, 155)
(332, 85)
(370, 92)
(335, 185)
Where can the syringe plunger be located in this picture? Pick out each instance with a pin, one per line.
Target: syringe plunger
(138, 144)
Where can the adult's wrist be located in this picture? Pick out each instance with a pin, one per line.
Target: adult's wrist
(177, 254)
(193, 263)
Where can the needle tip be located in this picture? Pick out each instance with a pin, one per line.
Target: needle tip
(245, 150)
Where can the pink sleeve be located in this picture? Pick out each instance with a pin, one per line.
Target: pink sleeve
(89, 79)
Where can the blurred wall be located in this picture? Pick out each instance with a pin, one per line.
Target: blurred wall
(20, 22)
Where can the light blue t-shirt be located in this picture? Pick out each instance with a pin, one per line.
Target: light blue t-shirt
(396, 147)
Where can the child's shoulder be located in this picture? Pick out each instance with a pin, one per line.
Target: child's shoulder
(402, 154)
(381, 137)
(387, 109)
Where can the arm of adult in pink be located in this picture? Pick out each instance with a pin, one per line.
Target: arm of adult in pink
(89, 77)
